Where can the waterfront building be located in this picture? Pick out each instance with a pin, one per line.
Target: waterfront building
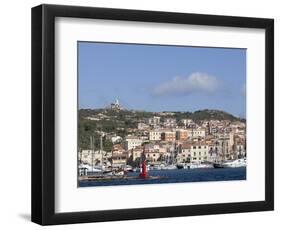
(213, 151)
(135, 153)
(153, 157)
(119, 160)
(199, 152)
(239, 146)
(184, 153)
(223, 144)
(87, 156)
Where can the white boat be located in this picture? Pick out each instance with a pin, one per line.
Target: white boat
(194, 165)
(168, 167)
(232, 163)
(128, 168)
(156, 167)
(118, 173)
(200, 165)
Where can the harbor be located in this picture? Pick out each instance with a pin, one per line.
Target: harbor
(164, 148)
(162, 173)
(173, 176)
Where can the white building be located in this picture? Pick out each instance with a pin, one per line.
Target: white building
(155, 135)
(132, 142)
(154, 121)
(89, 157)
(195, 133)
(115, 105)
(199, 152)
(187, 122)
(196, 152)
(170, 122)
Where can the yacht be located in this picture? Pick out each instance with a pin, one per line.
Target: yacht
(232, 163)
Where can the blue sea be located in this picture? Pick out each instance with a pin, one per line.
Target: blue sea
(175, 176)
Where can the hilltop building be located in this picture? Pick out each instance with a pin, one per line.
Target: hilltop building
(115, 105)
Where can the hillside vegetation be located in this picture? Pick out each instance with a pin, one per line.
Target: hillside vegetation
(120, 123)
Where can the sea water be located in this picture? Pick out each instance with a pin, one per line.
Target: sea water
(175, 176)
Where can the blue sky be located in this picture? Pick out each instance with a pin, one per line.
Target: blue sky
(162, 78)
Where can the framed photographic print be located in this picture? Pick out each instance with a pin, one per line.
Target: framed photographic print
(142, 114)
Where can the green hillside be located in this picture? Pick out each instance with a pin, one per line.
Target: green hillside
(121, 123)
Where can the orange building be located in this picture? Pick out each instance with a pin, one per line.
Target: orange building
(181, 135)
(169, 136)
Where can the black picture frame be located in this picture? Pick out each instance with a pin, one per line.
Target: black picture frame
(43, 114)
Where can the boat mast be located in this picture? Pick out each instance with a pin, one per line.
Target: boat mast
(173, 154)
(223, 145)
(101, 152)
(92, 144)
(216, 147)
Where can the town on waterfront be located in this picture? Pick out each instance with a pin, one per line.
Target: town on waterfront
(120, 144)
(137, 124)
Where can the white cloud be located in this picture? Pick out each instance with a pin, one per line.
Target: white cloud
(195, 82)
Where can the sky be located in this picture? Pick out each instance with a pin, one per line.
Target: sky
(162, 78)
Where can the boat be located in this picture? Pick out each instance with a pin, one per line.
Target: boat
(180, 166)
(200, 165)
(168, 167)
(128, 168)
(119, 173)
(114, 173)
(193, 165)
(237, 163)
(155, 167)
(183, 165)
